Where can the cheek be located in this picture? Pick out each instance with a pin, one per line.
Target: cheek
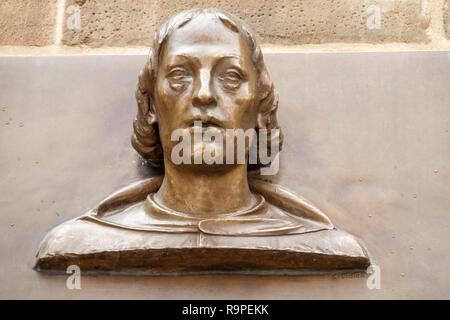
(167, 95)
(240, 105)
(244, 96)
(171, 102)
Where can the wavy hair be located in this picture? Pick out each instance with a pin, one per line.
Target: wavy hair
(145, 139)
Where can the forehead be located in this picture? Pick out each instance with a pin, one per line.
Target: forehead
(205, 36)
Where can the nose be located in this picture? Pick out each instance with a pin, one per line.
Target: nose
(204, 95)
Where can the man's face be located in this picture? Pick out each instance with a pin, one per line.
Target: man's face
(205, 74)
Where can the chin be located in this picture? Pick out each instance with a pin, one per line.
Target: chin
(210, 167)
(207, 151)
(215, 148)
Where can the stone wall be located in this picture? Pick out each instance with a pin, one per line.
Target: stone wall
(131, 23)
(447, 18)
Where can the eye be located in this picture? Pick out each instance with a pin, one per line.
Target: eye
(178, 78)
(231, 79)
(177, 74)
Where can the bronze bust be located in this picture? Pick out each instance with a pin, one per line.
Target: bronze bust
(205, 74)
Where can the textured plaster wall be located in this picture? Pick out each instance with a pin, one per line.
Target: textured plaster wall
(326, 24)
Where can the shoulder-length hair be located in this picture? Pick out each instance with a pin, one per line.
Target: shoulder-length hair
(145, 139)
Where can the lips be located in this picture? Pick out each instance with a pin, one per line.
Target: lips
(205, 121)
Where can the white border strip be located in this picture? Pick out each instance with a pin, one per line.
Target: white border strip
(61, 5)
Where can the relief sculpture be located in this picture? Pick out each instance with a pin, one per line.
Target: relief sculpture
(207, 111)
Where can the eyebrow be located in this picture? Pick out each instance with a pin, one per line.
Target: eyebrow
(196, 60)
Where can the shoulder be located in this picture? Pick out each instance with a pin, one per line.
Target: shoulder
(289, 201)
(82, 238)
(73, 236)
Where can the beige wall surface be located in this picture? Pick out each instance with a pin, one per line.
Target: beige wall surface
(127, 22)
(329, 24)
(366, 139)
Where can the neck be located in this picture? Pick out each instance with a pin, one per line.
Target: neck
(205, 194)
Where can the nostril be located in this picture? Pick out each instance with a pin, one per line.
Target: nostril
(204, 99)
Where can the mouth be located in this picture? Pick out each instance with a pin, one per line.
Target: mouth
(205, 122)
